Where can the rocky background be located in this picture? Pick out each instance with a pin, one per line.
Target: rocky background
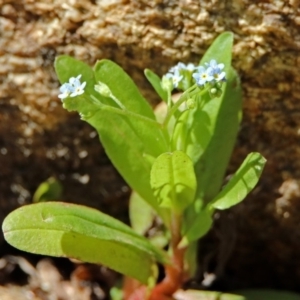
(255, 244)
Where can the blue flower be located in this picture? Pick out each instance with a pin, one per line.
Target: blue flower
(211, 73)
(216, 70)
(214, 65)
(177, 73)
(180, 75)
(72, 88)
(203, 76)
(219, 76)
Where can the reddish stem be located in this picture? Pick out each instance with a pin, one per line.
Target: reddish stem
(174, 273)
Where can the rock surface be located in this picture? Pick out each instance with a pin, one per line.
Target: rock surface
(38, 139)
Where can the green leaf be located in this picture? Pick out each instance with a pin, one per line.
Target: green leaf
(143, 218)
(131, 140)
(131, 143)
(156, 83)
(67, 67)
(196, 226)
(141, 214)
(257, 294)
(186, 135)
(60, 229)
(191, 260)
(242, 182)
(221, 118)
(220, 50)
(49, 190)
(208, 132)
(122, 87)
(173, 180)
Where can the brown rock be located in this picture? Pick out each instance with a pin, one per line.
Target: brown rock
(38, 139)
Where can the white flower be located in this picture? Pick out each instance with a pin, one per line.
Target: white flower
(189, 67)
(75, 80)
(78, 88)
(174, 69)
(175, 78)
(66, 89)
(72, 88)
(181, 66)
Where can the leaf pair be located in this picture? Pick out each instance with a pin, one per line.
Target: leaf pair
(235, 191)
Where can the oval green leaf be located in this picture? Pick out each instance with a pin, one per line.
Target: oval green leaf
(122, 87)
(141, 214)
(173, 180)
(219, 121)
(75, 231)
(242, 182)
(217, 124)
(220, 50)
(197, 227)
(143, 217)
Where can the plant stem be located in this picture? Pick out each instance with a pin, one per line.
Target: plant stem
(124, 112)
(188, 93)
(174, 273)
(169, 103)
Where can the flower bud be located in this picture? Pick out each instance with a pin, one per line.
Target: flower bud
(190, 103)
(167, 83)
(103, 89)
(215, 92)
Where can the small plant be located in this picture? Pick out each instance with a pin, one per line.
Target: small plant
(176, 167)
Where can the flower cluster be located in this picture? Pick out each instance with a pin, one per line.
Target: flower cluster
(211, 73)
(177, 73)
(72, 88)
(183, 67)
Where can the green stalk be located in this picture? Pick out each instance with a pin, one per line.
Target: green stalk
(188, 93)
(124, 112)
